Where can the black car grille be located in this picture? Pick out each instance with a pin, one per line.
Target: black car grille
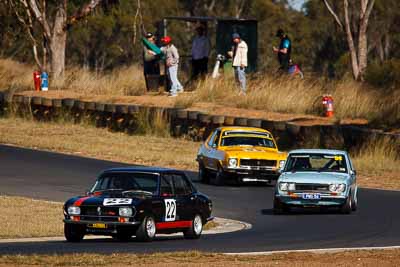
(106, 214)
(258, 163)
(312, 187)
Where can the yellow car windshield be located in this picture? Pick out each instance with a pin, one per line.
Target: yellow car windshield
(247, 141)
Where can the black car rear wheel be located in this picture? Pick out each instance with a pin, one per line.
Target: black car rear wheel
(194, 232)
(147, 230)
(74, 232)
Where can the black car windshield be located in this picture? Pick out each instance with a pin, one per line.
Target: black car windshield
(247, 141)
(316, 162)
(133, 181)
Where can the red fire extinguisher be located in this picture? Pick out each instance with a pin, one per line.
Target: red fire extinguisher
(327, 102)
(36, 80)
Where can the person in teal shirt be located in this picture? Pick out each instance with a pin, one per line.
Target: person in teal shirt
(284, 51)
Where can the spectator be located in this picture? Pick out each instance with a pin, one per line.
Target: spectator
(151, 63)
(239, 61)
(200, 52)
(172, 62)
(284, 51)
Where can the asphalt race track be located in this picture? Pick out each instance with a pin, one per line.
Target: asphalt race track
(57, 177)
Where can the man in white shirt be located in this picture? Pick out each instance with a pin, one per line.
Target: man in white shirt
(239, 57)
(200, 52)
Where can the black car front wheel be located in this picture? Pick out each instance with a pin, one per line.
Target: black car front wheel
(194, 232)
(74, 232)
(147, 230)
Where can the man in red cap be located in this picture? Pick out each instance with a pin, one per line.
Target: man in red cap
(172, 62)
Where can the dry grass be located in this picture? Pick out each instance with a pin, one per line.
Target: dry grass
(289, 95)
(377, 162)
(194, 258)
(25, 217)
(99, 143)
(120, 82)
(377, 155)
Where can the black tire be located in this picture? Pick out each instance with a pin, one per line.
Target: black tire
(123, 235)
(219, 178)
(279, 207)
(194, 232)
(347, 206)
(354, 205)
(144, 233)
(204, 176)
(74, 232)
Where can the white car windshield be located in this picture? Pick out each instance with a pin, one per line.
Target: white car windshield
(316, 162)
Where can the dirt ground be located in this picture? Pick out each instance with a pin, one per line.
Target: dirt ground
(194, 258)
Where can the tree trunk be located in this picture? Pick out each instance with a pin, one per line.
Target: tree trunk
(58, 43)
(362, 51)
(350, 41)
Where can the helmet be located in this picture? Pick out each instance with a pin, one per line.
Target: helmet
(166, 39)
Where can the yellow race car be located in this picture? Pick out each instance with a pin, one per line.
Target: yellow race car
(241, 154)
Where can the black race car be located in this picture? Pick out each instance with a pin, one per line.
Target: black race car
(138, 201)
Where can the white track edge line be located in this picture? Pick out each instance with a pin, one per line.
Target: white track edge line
(315, 251)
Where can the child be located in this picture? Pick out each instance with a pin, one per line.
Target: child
(172, 62)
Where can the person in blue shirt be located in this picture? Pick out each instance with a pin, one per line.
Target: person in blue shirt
(284, 51)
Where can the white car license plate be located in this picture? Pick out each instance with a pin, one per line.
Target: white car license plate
(311, 196)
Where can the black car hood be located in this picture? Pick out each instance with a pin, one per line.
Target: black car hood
(107, 199)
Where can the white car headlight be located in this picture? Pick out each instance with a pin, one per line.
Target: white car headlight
(341, 188)
(291, 186)
(72, 210)
(125, 212)
(232, 163)
(337, 188)
(281, 164)
(283, 186)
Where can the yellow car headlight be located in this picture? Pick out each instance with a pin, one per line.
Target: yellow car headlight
(232, 163)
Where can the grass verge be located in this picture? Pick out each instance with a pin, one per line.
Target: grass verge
(25, 217)
(194, 258)
(99, 143)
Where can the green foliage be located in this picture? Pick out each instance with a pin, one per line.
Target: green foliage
(384, 75)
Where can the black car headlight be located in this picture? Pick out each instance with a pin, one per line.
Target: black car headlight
(73, 210)
(125, 212)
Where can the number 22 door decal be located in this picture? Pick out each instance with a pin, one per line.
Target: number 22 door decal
(170, 210)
